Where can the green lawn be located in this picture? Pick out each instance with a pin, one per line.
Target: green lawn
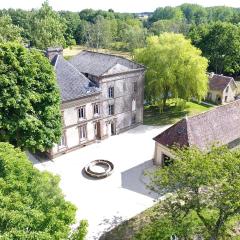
(153, 116)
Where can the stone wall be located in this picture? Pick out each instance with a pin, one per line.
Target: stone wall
(127, 104)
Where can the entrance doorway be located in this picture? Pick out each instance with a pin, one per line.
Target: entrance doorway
(113, 128)
(97, 130)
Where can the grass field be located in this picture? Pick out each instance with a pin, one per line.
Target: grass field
(153, 116)
(74, 50)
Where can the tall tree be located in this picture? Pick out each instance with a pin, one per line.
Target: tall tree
(134, 36)
(8, 31)
(166, 13)
(204, 197)
(99, 34)
(47, 28)
(175, 68)
(30, 114)
(175, 26)
(32, 205)
(220, 43)
(194, 13)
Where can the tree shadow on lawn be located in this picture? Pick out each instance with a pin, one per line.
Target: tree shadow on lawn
(153, 116)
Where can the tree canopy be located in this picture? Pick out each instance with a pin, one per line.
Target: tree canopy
(175, 68)
(47, 28)
(32, 205)
(220, 43)
(30, 114)
(8, 31)
(203, 196)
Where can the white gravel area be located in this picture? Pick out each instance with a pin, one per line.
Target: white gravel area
(107, 202)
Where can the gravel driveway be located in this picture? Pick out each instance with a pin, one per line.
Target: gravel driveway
(107, 202)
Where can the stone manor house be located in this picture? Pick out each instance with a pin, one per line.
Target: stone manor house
(102, 95)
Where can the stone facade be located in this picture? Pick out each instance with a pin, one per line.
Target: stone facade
(119, 105)
(222, 89)
(223, 96)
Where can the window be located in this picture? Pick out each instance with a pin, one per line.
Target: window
(124, 87)
(96, 109)
(226, 98)
(166, 160)
(133, 118)
(62, 143)
(82, 133)
(227, 89)
(111, 109)
(133, 105)
(82, 112)
(62, 118)
(111, 92)
(209, 96)
(135, 87)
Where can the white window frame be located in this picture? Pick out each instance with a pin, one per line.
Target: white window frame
(111, 109)
(111, 92)
(96, 106)
(133, 105)
(63, 141)
(81, 113)
(83, 133)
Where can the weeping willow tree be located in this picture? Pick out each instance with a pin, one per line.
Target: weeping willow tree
(175, 69)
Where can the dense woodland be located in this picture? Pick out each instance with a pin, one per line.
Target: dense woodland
(215, 30)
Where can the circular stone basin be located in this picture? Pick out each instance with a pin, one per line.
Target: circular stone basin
(99, 168)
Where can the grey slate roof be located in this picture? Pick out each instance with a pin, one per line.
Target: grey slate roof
(97, 64)
(219, 82)
(217, 126)
(72, 83)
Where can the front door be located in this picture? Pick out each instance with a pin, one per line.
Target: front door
(113, 129)
(97, 130)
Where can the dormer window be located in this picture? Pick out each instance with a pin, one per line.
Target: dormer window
(111, 92)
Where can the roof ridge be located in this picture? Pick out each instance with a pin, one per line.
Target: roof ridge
(110, 54)
(172, 126)
(213, 109)
(55, 62)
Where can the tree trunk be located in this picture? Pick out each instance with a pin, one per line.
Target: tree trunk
(165, 97)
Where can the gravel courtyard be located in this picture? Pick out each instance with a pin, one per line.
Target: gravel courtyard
(107, 202)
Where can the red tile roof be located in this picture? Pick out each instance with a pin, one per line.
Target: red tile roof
(220, 125)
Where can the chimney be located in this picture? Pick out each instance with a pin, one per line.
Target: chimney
(51, 52)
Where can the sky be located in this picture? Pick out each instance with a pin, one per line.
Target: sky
(116, 5)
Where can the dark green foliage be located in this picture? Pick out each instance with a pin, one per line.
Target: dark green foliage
(47, 28)
(8, 31)
(203, 196)
(220, 43)
(80, 232)
(32, 205)
(29, 99)
(166, 13)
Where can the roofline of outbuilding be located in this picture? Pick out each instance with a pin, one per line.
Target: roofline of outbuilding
(109, 54)
(121, 73)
